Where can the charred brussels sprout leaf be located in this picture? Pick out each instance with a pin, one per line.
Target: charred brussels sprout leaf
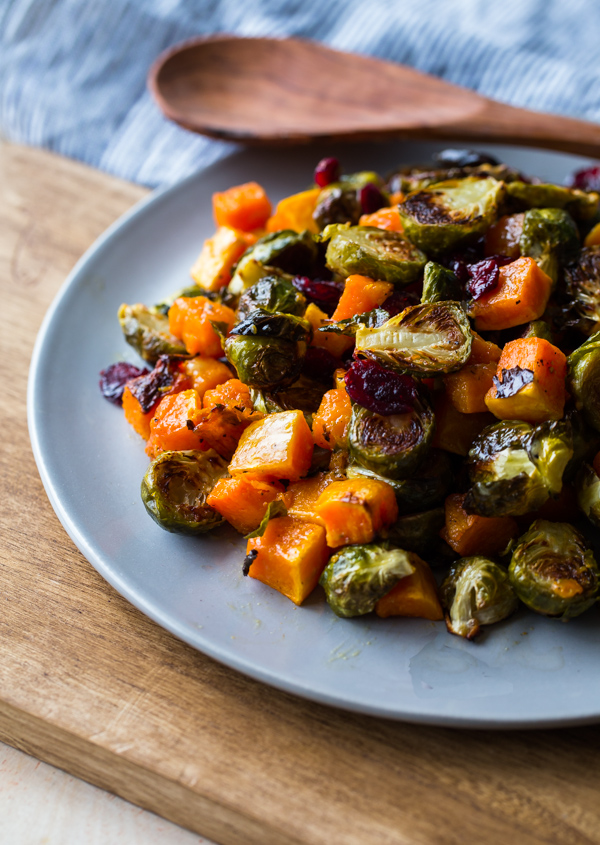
(272, 293)
(550, 237)
(514, 467)
(357, 577)
(418, 532)
(476, 592)
(175, 487)
(582, 281)
(452, 213)
(553, 572)
(439, 284)
(377, 253)
(423, 339)
(587, 485)
(580, 204)
(583, 379)
(147, 330)
(410, 179)
(292, 252)
(267, 349)
(392, 446)
(370, 320)
(304, 395)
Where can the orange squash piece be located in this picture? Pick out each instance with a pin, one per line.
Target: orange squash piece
(504, 236)
(295, 212)
(543, 398)
(279, 445)
(232, 393)
(415, 595)
(521, 295)
(291, 555)
(468, 387)
(245, 207)
(206, 373)
(301, 497)
(339, 379)
(134, 414)
(469, 534)
(384, 218)
(243, 500)
(212, 268)
(172, 426)
(330, 423)
(336, 344)
(593, 236)
(355, 510)
(361, 294)
(454, 431)
(483, 351)
(190, 320)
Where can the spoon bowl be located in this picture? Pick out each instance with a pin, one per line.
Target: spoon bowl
(290, 91)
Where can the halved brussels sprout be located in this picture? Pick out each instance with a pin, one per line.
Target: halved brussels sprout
(587, 486)
(550, 236)
(582, 282)
(428, 487)
(583, 379)
(418, 532)
(423, 339)
(175, 487)
(267, 349)
(538, 328)
(514, 467)
(580, 204)
(408, 179)
(392, 446)
(147, 330)
(272, 293)
(377, 253)
(358, 576)
(552, 570)
(339, 202)
(440, 284)
(304, 395)
(292, 252)
(476, 592)
(451, 213)
(586, 443)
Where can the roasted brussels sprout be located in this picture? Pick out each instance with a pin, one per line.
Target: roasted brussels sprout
(440, 284)
(580, 204)
(514, 467)
(451, 213)
(583, 379)
(476, 592)
(582, 283)
(392, 446)
(417, 532)
(538, 328)
(552, 570)
(587, 485)
(292, 252)
(339, 202)
(147, 330)
(175, 487)
(423, 339)
(409, 179)
(267, 349)
(358, 576)
(272, 293)
(377, 253)
(586, 443)
(304, 395)
(551, 237)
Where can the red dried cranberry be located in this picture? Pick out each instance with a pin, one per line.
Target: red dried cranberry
(114, 378)
(380, 390)
(460, 270)
(399, 300)
(319, 364)
(587, 179)
(327, 171)
(323, 292)
(371, 199)
(484, 277)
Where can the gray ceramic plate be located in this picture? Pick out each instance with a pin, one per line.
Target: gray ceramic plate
(528, 671)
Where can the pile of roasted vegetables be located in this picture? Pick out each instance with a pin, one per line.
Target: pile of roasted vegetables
(381, 376)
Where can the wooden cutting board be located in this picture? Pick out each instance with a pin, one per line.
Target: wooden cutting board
(89, 684)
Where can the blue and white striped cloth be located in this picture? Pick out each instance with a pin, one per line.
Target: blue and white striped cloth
(73, 72)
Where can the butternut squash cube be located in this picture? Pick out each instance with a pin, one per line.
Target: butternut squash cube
(295, 212)
(243, 500)
(212, 268)
(415, 595)
(280, 445)
(355, 510)
(190, 319)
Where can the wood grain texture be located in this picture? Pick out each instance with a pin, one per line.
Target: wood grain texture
(266, 90)
(91, 685)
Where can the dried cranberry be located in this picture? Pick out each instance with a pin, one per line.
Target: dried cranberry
(319, 364)
(114, 378)
(460, 270)
(380, 390)
(587, 179)
(484, 277)
(327, 171)
(371, 199)
(149, 388)
(399, 300)
(324, 293)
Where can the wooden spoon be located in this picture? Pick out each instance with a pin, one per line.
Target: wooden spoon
(271, 91)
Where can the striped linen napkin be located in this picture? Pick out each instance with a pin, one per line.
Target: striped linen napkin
(73, 72)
